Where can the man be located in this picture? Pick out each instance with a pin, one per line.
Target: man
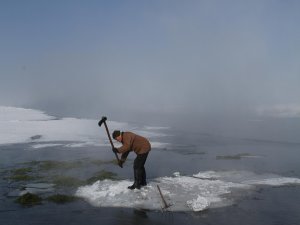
(141, 146)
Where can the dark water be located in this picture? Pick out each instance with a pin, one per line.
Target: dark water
(189, 153)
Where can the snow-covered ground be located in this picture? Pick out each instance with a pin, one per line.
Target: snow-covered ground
(18, 125)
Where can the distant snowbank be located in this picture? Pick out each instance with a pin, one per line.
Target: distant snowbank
(12, 114)
(207, 189)
(18, 125)
(156, 128)
(280, 111)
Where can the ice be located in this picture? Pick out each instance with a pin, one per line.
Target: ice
(207, 175)
(198, 204)
(182, 193)
(38, 146)
(18, 125)
(279, 181)
(109, 193)
(176, 174)
(34, 188)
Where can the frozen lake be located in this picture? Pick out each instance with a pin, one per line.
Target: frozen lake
(206, 179)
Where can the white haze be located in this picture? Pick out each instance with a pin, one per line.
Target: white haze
(157, 62)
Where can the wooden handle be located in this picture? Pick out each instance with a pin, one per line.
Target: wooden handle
(110, 140)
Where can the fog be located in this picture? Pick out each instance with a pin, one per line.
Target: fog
(198, 63)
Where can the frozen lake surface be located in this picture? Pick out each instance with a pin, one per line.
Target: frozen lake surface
(206, 179)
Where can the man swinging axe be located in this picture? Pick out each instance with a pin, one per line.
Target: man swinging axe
(131, 142)
(141, 146)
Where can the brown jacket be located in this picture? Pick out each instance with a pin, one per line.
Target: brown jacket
(134, 142)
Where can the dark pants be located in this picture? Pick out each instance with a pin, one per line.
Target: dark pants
(139, 169)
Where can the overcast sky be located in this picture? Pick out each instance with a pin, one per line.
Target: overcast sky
(202, 57)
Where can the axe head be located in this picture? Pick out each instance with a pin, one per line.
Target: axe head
(102, 121)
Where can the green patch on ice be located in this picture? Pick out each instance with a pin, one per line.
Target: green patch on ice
(61, 199)
(65, 181)
(32, 163)
(51, 171)
(59, 165)
(22, 170)
(22, 177)
(21, 174)
(45, 166)
(29, 199)
(233, 157)
(100, 162)
(102, 175)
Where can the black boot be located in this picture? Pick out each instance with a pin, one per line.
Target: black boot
(134, 186)
(144, 182)
(136, 183)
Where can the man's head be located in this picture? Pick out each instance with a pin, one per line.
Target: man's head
(117, 135)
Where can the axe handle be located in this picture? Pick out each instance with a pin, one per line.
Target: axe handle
(112, 144)
(163, 199)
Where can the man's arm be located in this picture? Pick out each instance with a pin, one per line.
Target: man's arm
(126, 147)
(124, 156)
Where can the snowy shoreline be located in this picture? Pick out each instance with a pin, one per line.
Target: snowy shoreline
(19, 125)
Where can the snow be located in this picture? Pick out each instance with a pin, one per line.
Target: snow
(277, 181)
(13, 114)
(207, 175)
(209, 189)
(198, 204)
(18, 125)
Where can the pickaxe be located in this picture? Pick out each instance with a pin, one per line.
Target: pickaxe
(103, 120)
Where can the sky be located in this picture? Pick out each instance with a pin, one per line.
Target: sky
(151, 60)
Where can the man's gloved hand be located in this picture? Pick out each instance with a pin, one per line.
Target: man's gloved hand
(115, 150)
